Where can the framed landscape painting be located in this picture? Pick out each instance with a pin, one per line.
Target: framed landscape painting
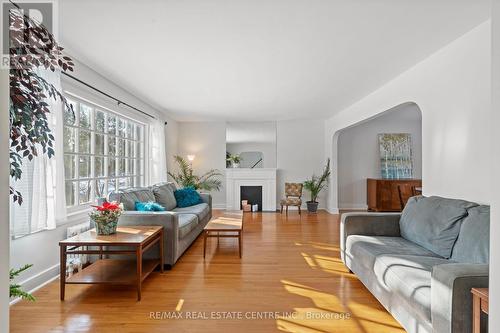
(396, 161)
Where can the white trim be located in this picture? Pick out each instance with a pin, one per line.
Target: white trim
(41, 285)
(114, 111)
(334, 211)
(79, 91)
(128, 141)
(219, 206)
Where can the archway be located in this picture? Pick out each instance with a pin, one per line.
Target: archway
(362, 136)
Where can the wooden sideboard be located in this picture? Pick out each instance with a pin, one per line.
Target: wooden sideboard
(382, 194)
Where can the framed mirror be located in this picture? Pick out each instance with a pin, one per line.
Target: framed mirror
(251, 145)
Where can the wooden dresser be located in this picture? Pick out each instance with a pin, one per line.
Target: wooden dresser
(382, 194)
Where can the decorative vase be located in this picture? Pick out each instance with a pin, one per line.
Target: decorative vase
(106, 228)
(312, 206)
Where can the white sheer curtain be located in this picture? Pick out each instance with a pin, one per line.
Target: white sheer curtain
(158, 165)
(42, 181)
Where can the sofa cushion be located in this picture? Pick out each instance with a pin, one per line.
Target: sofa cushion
(433, 222)
(150, 206)
(187, 196)
(365, 249)
(410, 277)
(201, 210)
(128, 197)
(164, 195)
(187, 222)
(473, 242)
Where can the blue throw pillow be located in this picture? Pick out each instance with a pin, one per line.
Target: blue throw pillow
(148, 206)
(187, 196)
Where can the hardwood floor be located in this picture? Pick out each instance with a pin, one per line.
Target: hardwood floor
(290, 266)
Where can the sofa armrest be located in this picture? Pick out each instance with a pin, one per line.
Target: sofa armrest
(207, 198)
(451, 298)
(370, 224)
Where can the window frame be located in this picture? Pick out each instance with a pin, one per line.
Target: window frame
(78, 208)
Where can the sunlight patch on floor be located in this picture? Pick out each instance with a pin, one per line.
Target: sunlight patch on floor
(320, 299)
(179, 305)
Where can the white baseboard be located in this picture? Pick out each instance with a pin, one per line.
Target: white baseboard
(333, 211)
(38, 281)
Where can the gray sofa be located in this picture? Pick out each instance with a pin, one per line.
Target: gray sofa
(181, 225)
(421, 264)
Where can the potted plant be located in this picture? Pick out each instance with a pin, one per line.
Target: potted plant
(315, 185)
(106, 217)
(209, 181)
(15, 289)
(234, 160)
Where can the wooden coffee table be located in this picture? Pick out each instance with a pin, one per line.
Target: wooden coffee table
(229, 224)
(113, 271)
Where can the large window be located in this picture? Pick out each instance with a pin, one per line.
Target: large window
(103, 151)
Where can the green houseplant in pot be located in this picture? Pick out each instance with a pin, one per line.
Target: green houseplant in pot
(185, 177)
(315, 185)
(15, 289)
(234, 160)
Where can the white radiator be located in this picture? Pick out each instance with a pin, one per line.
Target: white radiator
(75, 262)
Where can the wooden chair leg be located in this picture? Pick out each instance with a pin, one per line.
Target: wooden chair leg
(286, 209)
(281, 210)
(299, 210)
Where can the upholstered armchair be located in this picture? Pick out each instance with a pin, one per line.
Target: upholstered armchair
(293, 193)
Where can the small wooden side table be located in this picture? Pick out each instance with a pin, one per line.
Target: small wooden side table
(480, 304)
(113, 271)
(229, 224)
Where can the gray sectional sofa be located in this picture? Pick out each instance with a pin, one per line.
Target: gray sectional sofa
(421, 264)
(181, 225)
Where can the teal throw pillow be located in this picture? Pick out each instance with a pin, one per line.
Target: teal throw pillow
(187, 196)
(150, 206)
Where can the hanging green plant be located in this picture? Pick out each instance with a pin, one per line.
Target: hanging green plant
(32, 48)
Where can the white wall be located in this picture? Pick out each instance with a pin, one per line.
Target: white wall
(358, 152)
(299, 146)
(41, 249)
(300, 153)
(206, 140)
(494, 320)
(171, 142)
(452, 89)
(4, 202)
(268, 150)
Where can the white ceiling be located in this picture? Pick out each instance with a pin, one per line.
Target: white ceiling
(258, 59)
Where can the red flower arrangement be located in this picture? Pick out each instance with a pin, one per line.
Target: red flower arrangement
(108, 206)
(107, 212)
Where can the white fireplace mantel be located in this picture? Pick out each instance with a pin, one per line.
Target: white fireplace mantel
(265, 177)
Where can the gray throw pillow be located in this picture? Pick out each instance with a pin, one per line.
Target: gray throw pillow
(164, 195)
(128, 197)
(473, 243)
(433, 222)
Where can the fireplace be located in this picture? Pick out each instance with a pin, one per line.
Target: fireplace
(253, 194)
(263, 178)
